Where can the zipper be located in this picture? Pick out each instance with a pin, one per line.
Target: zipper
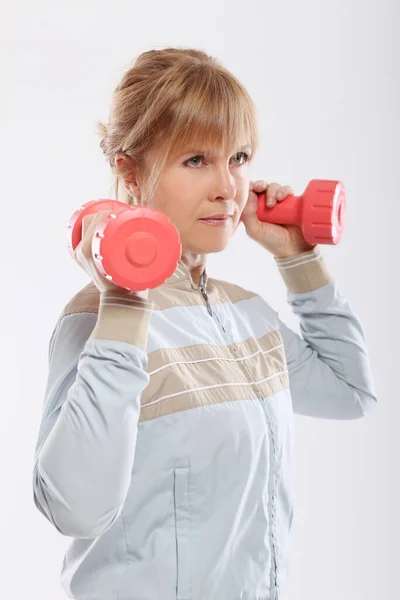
(274, 567)
(212, 313)
(210, 310)
(274, 574)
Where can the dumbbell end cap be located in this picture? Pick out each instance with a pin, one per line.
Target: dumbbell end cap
(324, 214)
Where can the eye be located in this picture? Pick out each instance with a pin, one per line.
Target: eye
(244, 154)
(193, 158)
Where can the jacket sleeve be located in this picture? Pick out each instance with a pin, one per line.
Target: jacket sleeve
(329, 370)
(89, 422)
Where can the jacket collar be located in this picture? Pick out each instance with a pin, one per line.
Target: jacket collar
(181, 277)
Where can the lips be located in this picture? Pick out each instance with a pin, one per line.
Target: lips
(217, 218)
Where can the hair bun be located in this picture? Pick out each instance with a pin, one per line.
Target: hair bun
(102, 132)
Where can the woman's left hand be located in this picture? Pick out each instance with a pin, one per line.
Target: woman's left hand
(283, 241)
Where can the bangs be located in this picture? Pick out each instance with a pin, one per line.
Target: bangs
(213, 113)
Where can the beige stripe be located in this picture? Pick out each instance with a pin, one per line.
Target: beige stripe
(304, 273)
(193, 376)
(181, 294)
(184, 295)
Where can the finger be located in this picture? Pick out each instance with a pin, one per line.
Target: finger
(86, 222)
(89, 225)
(271, 193)
(284, 192)
(260, 186)
(91, 221)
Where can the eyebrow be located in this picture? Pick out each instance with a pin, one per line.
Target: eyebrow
(205, 153)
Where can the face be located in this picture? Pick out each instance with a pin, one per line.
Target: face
(198, 184)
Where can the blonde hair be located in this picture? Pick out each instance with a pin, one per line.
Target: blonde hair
(168, 99)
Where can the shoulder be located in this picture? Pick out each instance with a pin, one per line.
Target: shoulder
(232, 291)
(87, 300)
(251, 301)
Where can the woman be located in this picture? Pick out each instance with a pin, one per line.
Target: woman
(165, 443)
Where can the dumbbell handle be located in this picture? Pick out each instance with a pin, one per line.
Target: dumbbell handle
(287, 212)
(319, 212)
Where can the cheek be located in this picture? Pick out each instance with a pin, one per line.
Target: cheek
(243, 202)
(178, 202)
(177, 208)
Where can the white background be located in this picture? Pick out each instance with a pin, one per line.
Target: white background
(325, 79)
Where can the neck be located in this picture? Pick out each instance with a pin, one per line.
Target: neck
(196, 263)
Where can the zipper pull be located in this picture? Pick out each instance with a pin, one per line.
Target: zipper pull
(204, 294)
(206, 299)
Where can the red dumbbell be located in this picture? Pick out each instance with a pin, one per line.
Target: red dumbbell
(320, 211)
(138, 248)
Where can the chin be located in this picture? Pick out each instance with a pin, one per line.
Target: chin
(207, 240)
(209, 244)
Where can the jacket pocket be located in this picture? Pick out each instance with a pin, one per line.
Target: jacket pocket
(182, 529)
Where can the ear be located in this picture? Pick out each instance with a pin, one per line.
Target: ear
(126, 170)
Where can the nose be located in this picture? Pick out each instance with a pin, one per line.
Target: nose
(225, 186)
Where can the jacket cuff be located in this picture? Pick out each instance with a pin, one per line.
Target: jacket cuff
(123, 317)
(305, 272)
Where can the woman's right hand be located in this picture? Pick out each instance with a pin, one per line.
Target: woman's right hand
(83, 256)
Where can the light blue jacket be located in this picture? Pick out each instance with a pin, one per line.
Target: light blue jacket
(166, 453)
